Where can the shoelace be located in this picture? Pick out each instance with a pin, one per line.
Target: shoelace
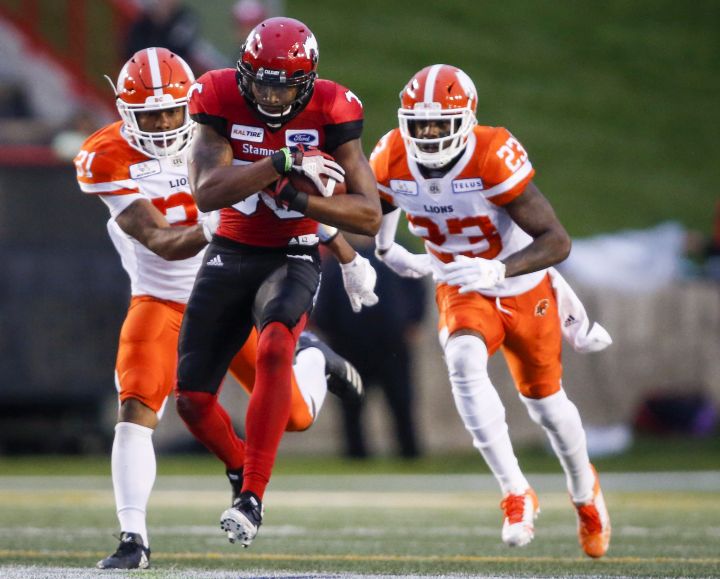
(247, 507)
(126, 547)
(514, 507)
(590, 519)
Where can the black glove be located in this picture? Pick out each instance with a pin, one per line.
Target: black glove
(286, 195)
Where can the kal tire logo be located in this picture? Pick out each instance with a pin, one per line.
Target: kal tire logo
(247, 133)
(302, 137)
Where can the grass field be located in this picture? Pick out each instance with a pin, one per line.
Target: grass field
(368, 521)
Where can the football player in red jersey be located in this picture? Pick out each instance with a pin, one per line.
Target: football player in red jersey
(256, 124)
(137, 167)
(491, 238)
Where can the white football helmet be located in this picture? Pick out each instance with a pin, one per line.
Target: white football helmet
(155, 79)
(437, 93)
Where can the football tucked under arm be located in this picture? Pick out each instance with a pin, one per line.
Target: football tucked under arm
(306, 185)
(317, 172)
(305, 172)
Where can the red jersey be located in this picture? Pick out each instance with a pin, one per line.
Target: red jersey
(333, 116)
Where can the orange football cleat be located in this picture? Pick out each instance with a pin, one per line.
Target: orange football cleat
(520, 513)
(594, 523)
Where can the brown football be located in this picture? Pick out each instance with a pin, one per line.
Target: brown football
(305, 184)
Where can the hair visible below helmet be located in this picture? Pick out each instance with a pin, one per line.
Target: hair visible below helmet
(438, 93)
(155, 79)
(279, 52)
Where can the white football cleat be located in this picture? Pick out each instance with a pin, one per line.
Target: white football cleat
(520, 513)
(242, 520)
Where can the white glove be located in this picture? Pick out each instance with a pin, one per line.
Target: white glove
(404, 263)
(473, 273)
(210, 224)
(315, 163)
(359, 279)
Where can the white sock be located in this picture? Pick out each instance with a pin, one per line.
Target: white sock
(309, 371)
(133, 475)
(560, 420)
(482, 411)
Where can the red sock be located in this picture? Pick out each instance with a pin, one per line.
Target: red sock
(211, 425)
(269, 407)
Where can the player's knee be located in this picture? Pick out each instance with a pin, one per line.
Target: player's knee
(137, 411)
(145, 385)
(538, 389)
(299, 422)
(193, 406)
(275, 345)
(466, 356)
(550, 411)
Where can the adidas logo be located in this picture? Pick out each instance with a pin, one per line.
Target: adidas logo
(216, 261)
(569, 321)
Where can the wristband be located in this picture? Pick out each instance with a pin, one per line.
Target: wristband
(327, 233)
(282, 161)
(294, 200)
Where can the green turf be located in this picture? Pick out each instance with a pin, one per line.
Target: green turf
(615, 101)
(415, 528)
(646, 454)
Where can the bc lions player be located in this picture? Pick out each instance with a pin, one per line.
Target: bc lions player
(137, 167)
(490, 237)
(262, 268)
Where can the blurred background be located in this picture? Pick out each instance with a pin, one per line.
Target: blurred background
(616, 103)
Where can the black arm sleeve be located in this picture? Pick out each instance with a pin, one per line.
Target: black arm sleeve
(336, 135)
(386, 206)
(217, 123)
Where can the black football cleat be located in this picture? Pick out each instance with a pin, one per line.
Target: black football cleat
(130, 554)
(342, 377)
(242, 521)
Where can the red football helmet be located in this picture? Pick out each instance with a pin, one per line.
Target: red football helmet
(279, 53)
(440, 94)
(155, 79)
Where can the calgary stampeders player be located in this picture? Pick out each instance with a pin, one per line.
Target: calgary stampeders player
(137, 167)
(491, 238)
(254, 126)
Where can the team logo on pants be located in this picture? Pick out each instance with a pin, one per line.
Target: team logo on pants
(541, 307)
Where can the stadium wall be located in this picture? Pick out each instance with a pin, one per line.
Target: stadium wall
(64, 296)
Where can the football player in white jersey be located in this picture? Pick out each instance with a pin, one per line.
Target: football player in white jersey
(137, 167)
(491, 239)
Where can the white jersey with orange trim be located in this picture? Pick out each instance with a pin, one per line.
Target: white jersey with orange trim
(109, 167)
(461, 212)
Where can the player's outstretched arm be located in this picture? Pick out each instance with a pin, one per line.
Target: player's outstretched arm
(394, 255)
(551, 242)
(215, 181)
(359, 276)
(145, 223)
(359, 210)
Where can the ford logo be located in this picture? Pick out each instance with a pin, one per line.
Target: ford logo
(301, 138)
